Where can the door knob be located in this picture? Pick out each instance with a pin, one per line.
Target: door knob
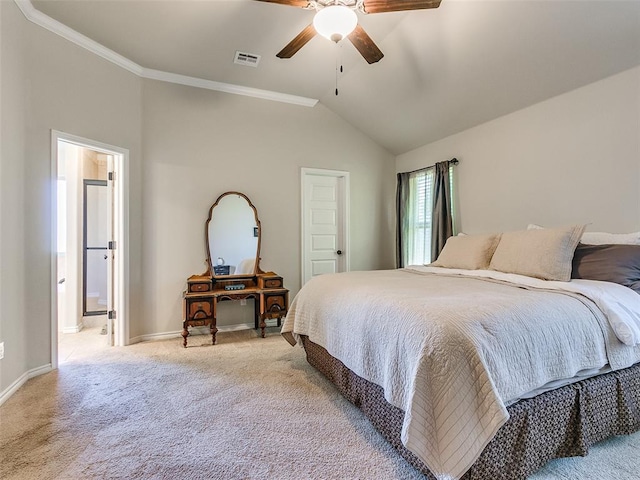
(339, 252)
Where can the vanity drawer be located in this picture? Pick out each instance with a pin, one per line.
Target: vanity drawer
(270, 282)
(275, 304)
(199, 323)
(199, 283)
(198, 308)
(199, 286)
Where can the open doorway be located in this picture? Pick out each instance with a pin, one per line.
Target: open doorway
(89, 267)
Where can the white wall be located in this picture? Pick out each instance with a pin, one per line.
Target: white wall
(12, 185)
(199, 144)
(574, 158)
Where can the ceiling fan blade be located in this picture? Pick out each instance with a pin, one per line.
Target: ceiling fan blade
(365, 45)
(381, 6)
(293, 3)
(297, 43)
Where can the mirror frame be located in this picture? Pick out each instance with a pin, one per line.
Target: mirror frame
(210, 271)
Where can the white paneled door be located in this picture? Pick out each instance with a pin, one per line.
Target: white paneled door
(325, 212)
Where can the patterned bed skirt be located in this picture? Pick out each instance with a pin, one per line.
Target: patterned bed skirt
(555, 424)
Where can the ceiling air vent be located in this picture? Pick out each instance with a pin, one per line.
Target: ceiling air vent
(247, 59)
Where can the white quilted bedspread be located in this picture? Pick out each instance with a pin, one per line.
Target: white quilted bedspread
(451, 349)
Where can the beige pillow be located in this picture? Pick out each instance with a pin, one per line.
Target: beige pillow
(542, 253)
(469, 252)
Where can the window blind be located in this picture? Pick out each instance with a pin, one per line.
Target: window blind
(421, 196)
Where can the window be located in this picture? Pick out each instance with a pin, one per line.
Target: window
(417, 211)
(419, 217)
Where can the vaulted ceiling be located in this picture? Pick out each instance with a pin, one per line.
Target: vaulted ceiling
(444, 70)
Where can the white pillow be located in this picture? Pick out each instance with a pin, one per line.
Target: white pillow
(602, 238)
(545, 253)
(469, 252)
(533, 226)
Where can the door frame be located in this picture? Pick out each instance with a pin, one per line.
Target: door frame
(121, 217)
(344, 186)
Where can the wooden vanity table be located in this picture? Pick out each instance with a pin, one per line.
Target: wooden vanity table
(232, 238)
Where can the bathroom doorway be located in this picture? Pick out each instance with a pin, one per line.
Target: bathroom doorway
(89, 267)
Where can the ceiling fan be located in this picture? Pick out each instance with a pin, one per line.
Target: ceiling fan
(336, 19)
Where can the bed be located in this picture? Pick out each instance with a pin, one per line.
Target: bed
(481, 373)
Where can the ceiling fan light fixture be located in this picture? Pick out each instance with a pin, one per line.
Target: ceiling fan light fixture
(335, 22)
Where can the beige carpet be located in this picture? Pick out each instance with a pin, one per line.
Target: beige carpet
(248, 408)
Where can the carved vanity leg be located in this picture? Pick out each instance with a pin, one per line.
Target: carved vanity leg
(263, 324)
(185, 334)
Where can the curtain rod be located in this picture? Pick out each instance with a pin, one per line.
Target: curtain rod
(454, 160)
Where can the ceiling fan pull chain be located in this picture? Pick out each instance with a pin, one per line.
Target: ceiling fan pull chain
(339, 68)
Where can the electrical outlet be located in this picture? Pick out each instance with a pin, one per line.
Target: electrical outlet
(243, 301)
(1, 350)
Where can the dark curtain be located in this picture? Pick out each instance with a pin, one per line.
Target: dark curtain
(441, 220)
(402, 209)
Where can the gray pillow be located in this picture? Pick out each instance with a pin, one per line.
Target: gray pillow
(608, 263)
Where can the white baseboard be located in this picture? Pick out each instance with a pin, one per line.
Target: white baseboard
(232, 328)
(74, 329)
(196, 331)
(154, 337)
(13, 388)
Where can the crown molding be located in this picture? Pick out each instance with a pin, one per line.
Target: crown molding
(54, 26)
(227, 87)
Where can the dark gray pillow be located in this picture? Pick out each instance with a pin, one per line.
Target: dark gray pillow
(609, 263)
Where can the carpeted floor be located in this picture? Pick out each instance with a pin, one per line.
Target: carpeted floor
(247, 408)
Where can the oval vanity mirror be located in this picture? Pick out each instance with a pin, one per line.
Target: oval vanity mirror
(233, 236)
